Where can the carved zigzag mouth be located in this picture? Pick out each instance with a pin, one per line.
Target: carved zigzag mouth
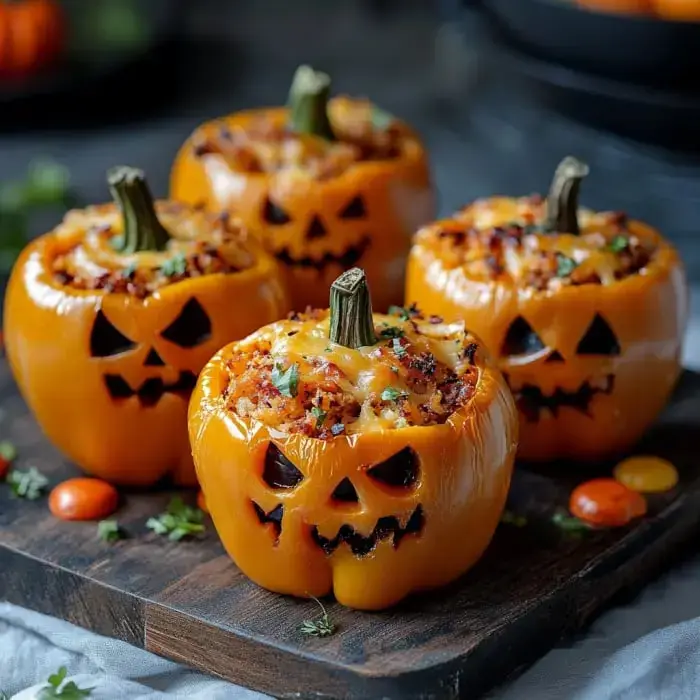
(151, 391)
(349, 258)
(531, 401)
(388, 526)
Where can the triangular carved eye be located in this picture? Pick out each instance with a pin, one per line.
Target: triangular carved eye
(279, 472)
(599, 339)
(355, 209)
(273, 214)
(401, 469)
(521, 339)
(345, 492)
(106, 340)
(191, 328)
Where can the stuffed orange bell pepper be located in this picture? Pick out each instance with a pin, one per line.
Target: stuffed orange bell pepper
(110, 317)
(341, 451)
(585, 310)
(329, 183)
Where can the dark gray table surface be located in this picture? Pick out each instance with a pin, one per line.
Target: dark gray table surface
(490, 137)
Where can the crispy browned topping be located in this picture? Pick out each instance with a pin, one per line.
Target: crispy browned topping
(265, 145)
(289, 377)
(503, 239)
(202, 244)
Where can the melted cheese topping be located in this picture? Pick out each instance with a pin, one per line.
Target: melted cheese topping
(200, 244)
(503, 238)
(263, 145)
(289, 376)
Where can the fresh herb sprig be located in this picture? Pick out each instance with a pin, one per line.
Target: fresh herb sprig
(29, 484)
(511, 518)
(57, 688)
(391, 393)
(321, 626)
(286, 380)
(568, 523)
(319, 414)
(110, 531)
(178, 521)
(172, 267)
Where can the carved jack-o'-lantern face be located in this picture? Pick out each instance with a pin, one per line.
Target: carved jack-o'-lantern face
(523, 345)
(190, 329)
(398, 474)
(352, 489)
(315, 226)
(108, 374)
(305, 244)
(585, 310)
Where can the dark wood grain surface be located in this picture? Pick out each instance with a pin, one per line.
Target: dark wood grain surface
(188, 602)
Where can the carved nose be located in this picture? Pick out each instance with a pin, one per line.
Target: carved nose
(153, 359)
(345, 492)
(316, 229)
(555, 357)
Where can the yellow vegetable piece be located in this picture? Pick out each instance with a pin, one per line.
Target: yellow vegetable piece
(646, 474)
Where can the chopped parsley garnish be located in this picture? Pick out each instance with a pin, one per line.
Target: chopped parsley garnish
(566, 522)
(618, 244)
(510, 518)
(398, 348)
(109, 531)
(29, 485)
(319, 414)
(177, 265)
(56, 688)
(381, 119)
(129, 271)
(178, 521)
(337, 429)
(391, 332)
(565, 265)
(286, 381)
(391, 394)
(400, 312)
(8, 452)
(320, 627)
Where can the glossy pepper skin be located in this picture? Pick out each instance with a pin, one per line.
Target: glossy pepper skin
(646, 312)
(465, 470)
(50, 329)
(322, 229)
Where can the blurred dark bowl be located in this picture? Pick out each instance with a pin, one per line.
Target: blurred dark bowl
(640, 49)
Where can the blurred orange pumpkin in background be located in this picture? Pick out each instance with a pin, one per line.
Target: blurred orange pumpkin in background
(619, 6)
(677, 10)
(31, 36)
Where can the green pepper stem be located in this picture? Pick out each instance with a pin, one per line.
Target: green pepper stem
(308, 103)
(562, 201)
(351, 322)
(142, 229)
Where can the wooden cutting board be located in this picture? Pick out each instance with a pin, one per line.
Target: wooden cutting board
(188, 602)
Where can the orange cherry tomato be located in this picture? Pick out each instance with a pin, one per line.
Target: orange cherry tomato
(646, 474)
(606, 503)
(627, 7)
(83, 499)
(202, 502)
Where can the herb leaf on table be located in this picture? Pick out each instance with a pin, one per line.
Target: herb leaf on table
(56, 688)
(29, 485)
(178, 521)
(320, 627)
